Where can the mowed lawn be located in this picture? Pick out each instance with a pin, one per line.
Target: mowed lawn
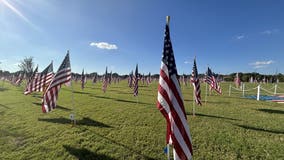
(117, 125)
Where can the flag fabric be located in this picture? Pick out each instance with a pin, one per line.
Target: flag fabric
(170, 103)
(83, 80)
(40, 81)
(135, 82)
(237, 80)
(63, 76)
(19, 79)
(212, 81)
(105, 81)
(196, 83)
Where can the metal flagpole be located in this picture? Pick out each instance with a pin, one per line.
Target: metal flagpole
(72, 115)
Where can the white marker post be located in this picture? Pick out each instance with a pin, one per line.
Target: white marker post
(243, 89)
(275, 89)
(258, 92)
(230, 87)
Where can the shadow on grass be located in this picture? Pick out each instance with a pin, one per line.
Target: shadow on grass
(4, 106)
(212, 116)
(85, 121)
(3, 89)
(85, 154)
(271, 111)
(57, 106)
(81, 92)
(126, 147)
(102, 97)
(259, 129)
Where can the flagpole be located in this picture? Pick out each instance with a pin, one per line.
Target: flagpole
(193, 106)
(168, 151)
(72, 116)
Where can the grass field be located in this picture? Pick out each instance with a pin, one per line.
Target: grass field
(113, 125)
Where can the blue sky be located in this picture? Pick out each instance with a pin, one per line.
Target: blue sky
(226, 35)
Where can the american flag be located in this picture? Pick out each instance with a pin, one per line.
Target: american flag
(148, 80)
(196, 84)
(211, 80)
(237, 80)
(170, 103)
(40, 81)
(63, 76)
(19, 79)
(83, 80)
(105, 81)
(135, 82)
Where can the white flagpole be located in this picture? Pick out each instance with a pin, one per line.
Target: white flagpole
(275, 89)
(258, 92)
(230, 87)
(243, 89)
(168, 151)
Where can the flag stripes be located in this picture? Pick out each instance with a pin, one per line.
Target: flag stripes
(62, 76)
(196, 84)
(170, 103)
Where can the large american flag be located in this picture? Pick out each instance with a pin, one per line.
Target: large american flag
(40, 81)
(170, 103)
(63, 76)
(135, 82)
(196, 83)
(212, 81)
(105, 81)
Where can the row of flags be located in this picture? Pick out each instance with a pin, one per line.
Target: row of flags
(169, 100)
(50, 83)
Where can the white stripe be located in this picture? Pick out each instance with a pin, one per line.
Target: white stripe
(181, 141)
(163, 102)
(164, 68)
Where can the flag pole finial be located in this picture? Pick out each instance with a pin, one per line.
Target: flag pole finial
(168, 19)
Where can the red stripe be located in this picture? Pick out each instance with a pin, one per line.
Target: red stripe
(175, 114)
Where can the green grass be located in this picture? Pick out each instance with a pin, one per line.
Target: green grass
(113, 125)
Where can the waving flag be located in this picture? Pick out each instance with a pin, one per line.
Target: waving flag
(63, 76)
(196, 84)
(40, 81)
(135, 82)
(170, 103)
(105, 81)
(212, 81)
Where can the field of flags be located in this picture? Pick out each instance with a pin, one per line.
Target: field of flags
(108, 117)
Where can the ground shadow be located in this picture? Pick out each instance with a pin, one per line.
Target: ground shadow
(85, 154)
(271, 111)
(102, 97)
(259, 129)
(4, 106)
(212, 116)
(85, 121)
(79, 92)
(3, 89)
(57, 106)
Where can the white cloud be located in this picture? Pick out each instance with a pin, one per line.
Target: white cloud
(104, 45)
(239, 37)
(187, 62)
(261, 64)
(270, 32)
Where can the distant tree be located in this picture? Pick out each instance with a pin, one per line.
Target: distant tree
(27, 66)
